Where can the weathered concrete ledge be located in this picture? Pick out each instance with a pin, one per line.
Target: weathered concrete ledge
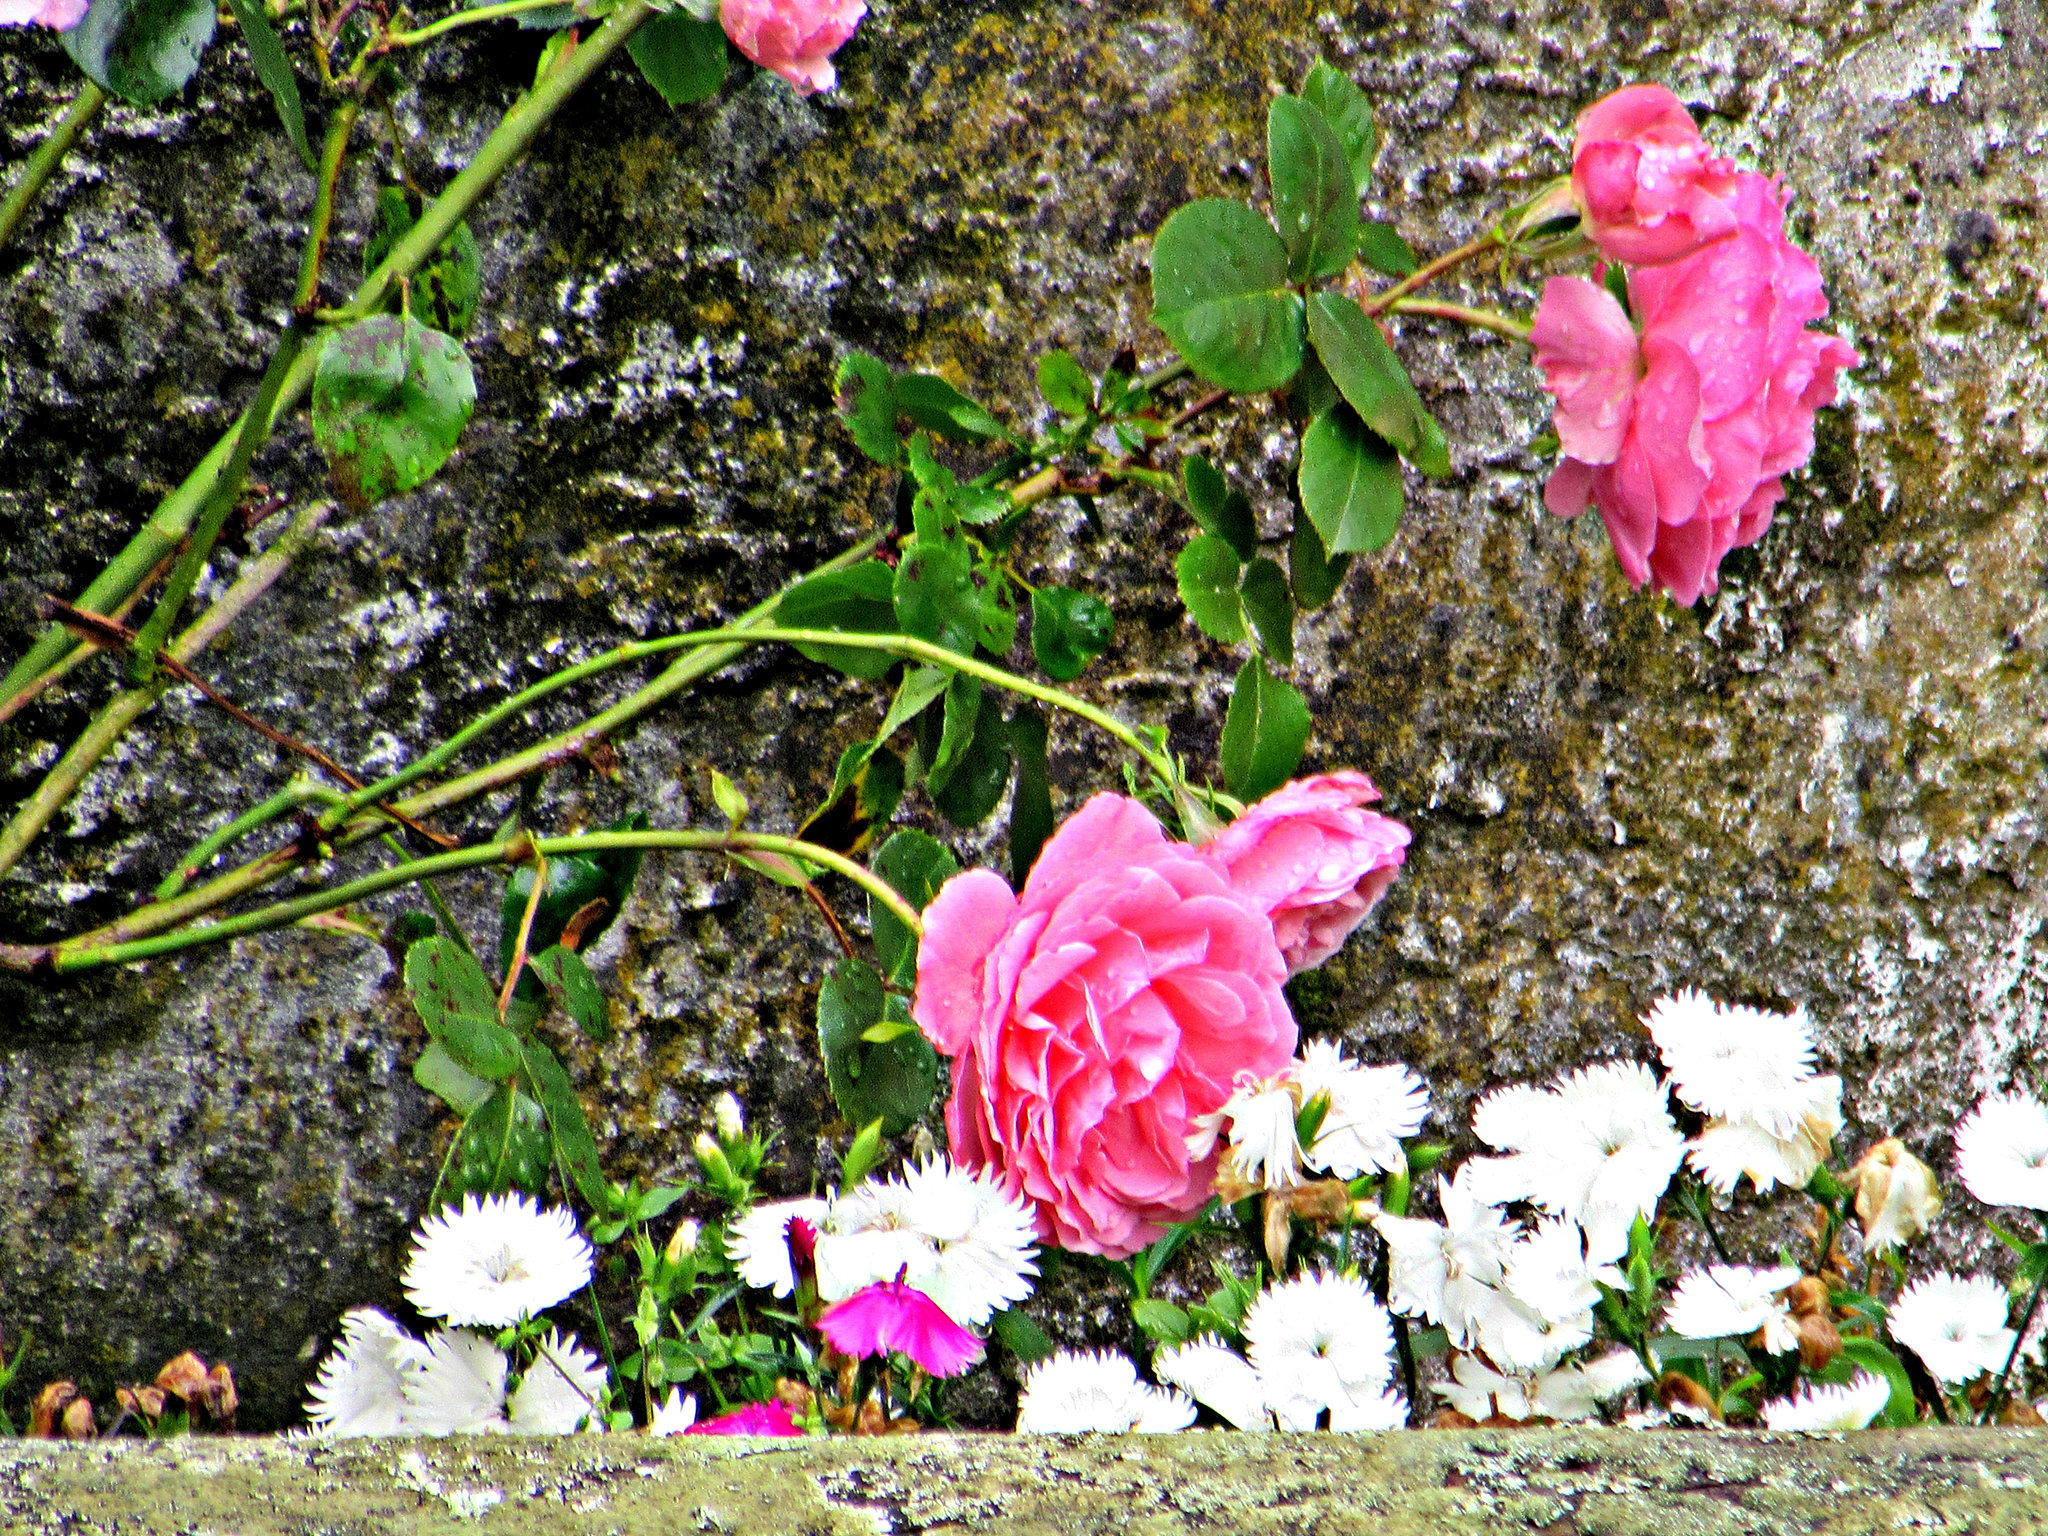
(1585, 1482)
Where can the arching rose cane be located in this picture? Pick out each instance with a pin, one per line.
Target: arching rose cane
(1094, 1016)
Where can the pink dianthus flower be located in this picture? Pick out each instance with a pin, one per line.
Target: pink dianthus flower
(794, 38)
(1315, 860)
(1648, 186)
(1094, 1017)
(892, 1317)
(753, 1419)
(1679, 434)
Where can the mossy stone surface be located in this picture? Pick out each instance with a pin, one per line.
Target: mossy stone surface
(1824, 786)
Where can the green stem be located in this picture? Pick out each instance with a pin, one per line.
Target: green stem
(1479, 319)
(1377, 303)
(2001, 1391)
(508, 141)
(75, 956)
(259, 872)
(49, 154)
(295, 794)
(482, 13)
(332, 151)
(214, 516)
(125, 708)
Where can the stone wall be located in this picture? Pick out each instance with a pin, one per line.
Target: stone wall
(1824, 787)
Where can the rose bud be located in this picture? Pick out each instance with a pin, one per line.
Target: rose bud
(1896, 1195)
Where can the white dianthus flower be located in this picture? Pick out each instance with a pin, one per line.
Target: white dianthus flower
(562, 1391)
(1321, 1343)
(1733, 1301)
(459, 1388)
(1081, 1392)
(496, 1260)
(758, 1242)
(674, 1415)
(361, 1386)
(1372, 1111)
(1264, 1149)
(1565, 1393)
(1751, 1073)
(1956, 1326)
(982, 1238)
(1446, 1271)
(1217, 1377)
(1550, 1269)
(2002, 1151)
(1599, 1138)
(1851, 1406)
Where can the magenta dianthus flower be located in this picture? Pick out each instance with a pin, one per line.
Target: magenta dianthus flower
(894, 1316)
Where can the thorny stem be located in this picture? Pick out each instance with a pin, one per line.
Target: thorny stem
(77, 956)
(525, 934)
(482, 13)
(42, 165)
(1374, 304)
(295, 794)
(85, 650)
(510, 140)
(1479, 319)
(126, 707)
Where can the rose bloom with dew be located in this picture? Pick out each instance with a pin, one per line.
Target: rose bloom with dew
(1679, 414)
(794, 38)
(1094, 1016)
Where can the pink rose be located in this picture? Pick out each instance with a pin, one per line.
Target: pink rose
(60, 15)
(1717, 403)
(1314, 860)
(795, 38)
(1645, 181)
(1093, 1018)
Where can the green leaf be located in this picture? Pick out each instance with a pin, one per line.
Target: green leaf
(445, 982)
(1161, 1321)
(1219, 291)
(502, 1145)
(1267, 604)
(1350, 482)
(975, 782)
(1218, 509)
(866, 789)
(1315, 201)
(575, 881)
(861, 1156)
(859, 600)
(730, 802)
(479, 1044)
(575, 1147)
(1069, 629)
(1901, 1408)
(938, 407)
(2033, 1265)
(1207, 573)
(141, 50)
(1314, 573)
(892, 1082)
(1031, 805)
(1065, 384)
(446, 288)
(1348, 113)
(1381, 247)
(1312, 392)
(274, 69)
(1373, 380)
(1021, 1336)
(436, 1071)
(887, 1030)
(936, 598)
(390, 400)
(963, 709)
(680, 56)
(867, 404)
(921, 684)
(570, 983)
(1265, 731)
(916, 864)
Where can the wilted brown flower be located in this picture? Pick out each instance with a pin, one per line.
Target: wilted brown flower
(78, 1422)
(1686, 1398)
(1896, 1195)
(48, 1406)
